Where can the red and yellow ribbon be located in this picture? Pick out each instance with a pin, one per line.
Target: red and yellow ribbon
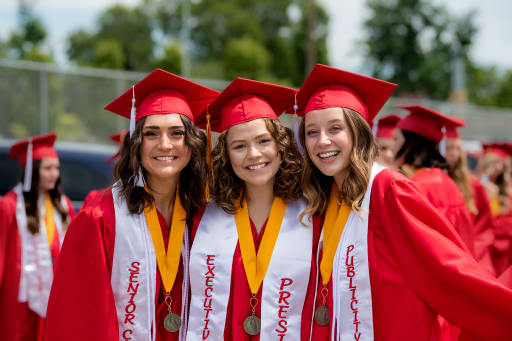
(168, 262)
(49, 219)
(256, 265)
(335, 219)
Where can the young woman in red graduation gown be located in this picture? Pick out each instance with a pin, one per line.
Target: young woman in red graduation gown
(494, 171)
(252, 260)
(475, 198)
(392, 261)
(33, 219)
(123, 273)
(417, 155)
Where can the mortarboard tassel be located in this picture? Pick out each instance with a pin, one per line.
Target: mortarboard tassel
(375, 128)
(139, 179)
(442, 144)
(27, 181)
(296, 125)
(208, 155)
(132, 113)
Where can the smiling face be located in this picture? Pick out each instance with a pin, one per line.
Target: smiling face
(253, 153)
(49, 172)
(329, 141)
(163, 152)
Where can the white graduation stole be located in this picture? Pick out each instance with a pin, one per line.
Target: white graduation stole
(352, 296)
(36, 261)
(284, 287)
(134, 275)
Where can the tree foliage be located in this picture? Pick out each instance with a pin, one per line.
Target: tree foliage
(413, 43)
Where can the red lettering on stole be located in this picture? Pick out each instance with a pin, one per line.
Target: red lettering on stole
(208, 282)
(131, 307)
(351, 272)
(284, 294)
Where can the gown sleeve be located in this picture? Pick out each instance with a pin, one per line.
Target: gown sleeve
(81, 305)
(439, 270)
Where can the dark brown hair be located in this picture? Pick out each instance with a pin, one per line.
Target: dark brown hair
(192, 177)
(317, 186)
(30, 198)
(228, 188)
(421, 152)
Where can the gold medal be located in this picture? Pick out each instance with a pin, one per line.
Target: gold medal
(172, 322)
(252, 325)
(322, 315)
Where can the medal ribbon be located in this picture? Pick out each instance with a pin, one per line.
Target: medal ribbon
(335, 220)
(49, 220)
(168, 263)
(256, 265)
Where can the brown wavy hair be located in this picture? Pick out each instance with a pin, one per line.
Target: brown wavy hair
(30, 198)
(192, 177)
(227, 188)
(502, 181)
(317, 186)
(461, 176)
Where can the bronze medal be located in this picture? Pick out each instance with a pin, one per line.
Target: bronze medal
(252, 325)
(172, 322)
(322, 315)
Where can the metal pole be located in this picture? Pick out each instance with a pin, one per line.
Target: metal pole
(43, 93)
(185, 38)
(311, 42)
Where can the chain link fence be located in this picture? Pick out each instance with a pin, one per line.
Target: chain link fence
(37, 98)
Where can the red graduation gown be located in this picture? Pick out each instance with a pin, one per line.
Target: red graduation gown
(443, 193)
(419, 268)
(240, 293)
(81, 305)
(483, 225)
(17, 321)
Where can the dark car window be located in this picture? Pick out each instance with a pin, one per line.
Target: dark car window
(79, 178)
(9, 172)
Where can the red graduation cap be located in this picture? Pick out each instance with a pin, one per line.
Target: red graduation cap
(451, 129)
(386, 126)
(42, 147)
(503, 150)
(327, 87)
(162, 92)
(244, 100)
(426, 122)
(119, 139)
(34, 148)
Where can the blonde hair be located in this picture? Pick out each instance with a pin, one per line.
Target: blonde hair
(317, 186)
(461, 176)
(502, 181)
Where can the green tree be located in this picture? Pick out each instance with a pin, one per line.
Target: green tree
(26, 41)
(171, 60)
(245, 57)
(414, 42)
(127, 32)
(217, 23)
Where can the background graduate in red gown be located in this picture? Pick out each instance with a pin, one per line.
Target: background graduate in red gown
(384, 129)
(33, 219)
(494, 171)
(256, 177)
(475, 197)
(417, 155)
(418, 266)
(123, 269)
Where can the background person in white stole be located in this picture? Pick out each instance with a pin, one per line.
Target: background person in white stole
(30, 242)
(256, 166)
(110, 284)
(403, 263)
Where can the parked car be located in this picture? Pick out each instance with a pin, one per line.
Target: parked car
(84, 167)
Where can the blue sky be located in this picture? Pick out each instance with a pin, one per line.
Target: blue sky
(493, 45)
